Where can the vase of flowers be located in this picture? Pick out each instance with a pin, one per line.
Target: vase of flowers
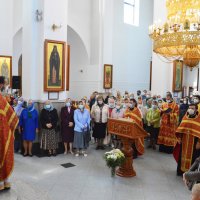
(114, 159)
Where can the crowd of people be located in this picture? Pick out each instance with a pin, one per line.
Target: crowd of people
(172, 126)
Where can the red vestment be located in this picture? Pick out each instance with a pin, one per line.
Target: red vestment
(168, 125)
(187, 131)
(8, 123)
(135, 114)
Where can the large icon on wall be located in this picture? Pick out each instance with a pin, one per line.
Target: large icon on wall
(108, 76)
(54, 65)
(177, 76)
(6, 69)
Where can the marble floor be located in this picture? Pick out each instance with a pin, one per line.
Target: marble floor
(45, 179)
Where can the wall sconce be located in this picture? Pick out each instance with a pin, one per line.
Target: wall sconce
(55, 27)
(38, 15)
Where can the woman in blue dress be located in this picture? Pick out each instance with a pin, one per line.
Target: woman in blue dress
(28, 127)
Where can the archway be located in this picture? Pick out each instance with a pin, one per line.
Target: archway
(79, 61)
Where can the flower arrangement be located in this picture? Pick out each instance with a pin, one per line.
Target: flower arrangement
(114, 158)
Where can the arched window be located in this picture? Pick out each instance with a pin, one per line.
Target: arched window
(131, 12)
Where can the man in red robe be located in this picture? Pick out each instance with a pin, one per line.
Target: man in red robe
(134, 113)
(188, 134)
(169, 122)
(8, 123)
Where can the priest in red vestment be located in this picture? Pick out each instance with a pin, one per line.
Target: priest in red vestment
(8, 123)
(188, 134)
(134, 113)
(169, 123)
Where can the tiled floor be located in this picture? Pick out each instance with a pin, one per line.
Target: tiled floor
(44, 179)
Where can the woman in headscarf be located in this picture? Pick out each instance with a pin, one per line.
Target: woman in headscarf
(18, 108)
(29, 127)
(117, 113)
(67, 125)
(49, 120)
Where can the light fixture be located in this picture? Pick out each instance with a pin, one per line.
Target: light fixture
(55, 27)
(179, 36)
(38, 15)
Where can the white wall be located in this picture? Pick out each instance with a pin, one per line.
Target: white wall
(17, 15)
(132, 49)
(79, 18)
(162, 72)
(190, 77)
(17, 51)
(100, 37)
(6, 24)
(83, 37)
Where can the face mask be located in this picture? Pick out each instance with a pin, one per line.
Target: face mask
(154, 107)
(124, 106)
(168, 101)
(19, 102)
(118, 107)
(47, 107)
(131, 105)
(68, 104)
(160, 105)
(111, 105)
(100, 102)
(191, 112)
(185, 102)
(196, 101)
(148, 96)
(81, 107)
(29, 106)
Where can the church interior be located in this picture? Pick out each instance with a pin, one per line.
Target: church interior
(99, 100)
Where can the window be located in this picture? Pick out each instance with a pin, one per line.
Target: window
(131, 12)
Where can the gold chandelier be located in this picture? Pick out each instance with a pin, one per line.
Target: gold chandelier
(179, 36)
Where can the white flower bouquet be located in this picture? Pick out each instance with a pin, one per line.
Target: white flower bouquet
(114, 158)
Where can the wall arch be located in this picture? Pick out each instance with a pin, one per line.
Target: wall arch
(17, 50)
(79, 61)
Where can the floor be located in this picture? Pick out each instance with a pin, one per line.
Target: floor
(45, 179)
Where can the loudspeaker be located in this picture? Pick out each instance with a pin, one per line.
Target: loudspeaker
(16, 82)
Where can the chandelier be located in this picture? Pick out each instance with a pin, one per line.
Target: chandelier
(179, 36)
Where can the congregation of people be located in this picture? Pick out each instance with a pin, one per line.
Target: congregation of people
(173, 127)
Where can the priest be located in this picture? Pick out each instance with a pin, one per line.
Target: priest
(169, 122)
(132, 112)
(188, 134)
(8, 123)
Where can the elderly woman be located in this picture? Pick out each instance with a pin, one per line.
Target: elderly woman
(82, 126)
(18, 108)
(49, 120)
(117, 112)
(28, 126)
(67, 125)
(100, 113)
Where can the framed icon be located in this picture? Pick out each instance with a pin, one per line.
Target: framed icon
(108, 76)
(54, 65)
